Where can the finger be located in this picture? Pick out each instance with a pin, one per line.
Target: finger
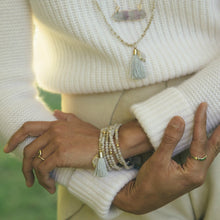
(31, 151)
(172, 135)
(199, 141)
(213, 145)
(45, 153)
(27, 129)
(63, 116)
(43, 173)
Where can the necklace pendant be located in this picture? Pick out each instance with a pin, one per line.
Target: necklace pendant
(129, 15)
(138, 70)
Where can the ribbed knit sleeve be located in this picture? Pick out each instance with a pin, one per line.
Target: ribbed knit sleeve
(18, 104)
(77, 58)
(155, 113)
(99, 192)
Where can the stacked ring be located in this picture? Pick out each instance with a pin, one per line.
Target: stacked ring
(199, 158)
(40, 155)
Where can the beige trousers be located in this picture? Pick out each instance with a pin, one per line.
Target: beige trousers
(109, 108)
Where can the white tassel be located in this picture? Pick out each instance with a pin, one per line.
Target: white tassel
(138, 70)
(101, 169)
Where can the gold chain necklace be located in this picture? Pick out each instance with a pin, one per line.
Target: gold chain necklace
(137, 70)
(129, 15)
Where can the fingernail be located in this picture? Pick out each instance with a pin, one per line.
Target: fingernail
(28, 184)
(6, 148)
(176, 122)
(57, 110)
(205, 107)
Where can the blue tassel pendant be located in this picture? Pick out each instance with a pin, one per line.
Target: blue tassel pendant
(138, 70)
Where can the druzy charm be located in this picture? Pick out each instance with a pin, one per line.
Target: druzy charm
(129, 15)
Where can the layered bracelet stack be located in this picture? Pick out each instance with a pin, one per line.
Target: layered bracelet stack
(109, 154)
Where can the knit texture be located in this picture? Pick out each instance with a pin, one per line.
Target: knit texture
(75, 52)
(155, 113)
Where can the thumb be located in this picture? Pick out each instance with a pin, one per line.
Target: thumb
(172, 135)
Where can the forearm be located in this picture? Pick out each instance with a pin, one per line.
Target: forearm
(154, 113)
(133, 139)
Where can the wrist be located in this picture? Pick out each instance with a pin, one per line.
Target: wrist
(133, 140)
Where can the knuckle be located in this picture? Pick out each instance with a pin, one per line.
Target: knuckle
(59, 153)
(197, 179)
(58, 141)
(71, 116)
(56, 129)
(170, 139)
(25, 126)
(201, 139)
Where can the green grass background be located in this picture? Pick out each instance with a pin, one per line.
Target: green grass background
(17, 202)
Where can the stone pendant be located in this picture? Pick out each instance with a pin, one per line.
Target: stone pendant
(138, 70)
(129, 15)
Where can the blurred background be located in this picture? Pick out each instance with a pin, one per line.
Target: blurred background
(17, 202)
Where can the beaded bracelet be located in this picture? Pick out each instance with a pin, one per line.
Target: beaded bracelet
(109, 154)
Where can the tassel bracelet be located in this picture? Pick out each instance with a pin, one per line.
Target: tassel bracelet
(109, 154)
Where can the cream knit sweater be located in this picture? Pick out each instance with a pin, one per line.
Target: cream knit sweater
(74, 52)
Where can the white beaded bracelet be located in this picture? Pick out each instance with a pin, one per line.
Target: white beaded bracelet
(109, 154)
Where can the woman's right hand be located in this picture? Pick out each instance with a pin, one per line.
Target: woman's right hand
(160, 179)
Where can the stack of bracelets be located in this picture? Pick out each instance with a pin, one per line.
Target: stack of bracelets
(109, 154)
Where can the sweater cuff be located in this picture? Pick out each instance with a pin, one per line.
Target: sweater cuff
(155, 113)
(62, 175)
(99, 192)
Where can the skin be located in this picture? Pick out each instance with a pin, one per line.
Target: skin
(62, 143)
(161, 180)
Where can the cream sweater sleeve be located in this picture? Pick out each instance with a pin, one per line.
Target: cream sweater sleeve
(155, 113)
(18, 104)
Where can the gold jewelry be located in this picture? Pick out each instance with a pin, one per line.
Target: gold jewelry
(99, 163)
(109, 155)
(137, 70)
(129, 15)
(199, 158)
(40, 155)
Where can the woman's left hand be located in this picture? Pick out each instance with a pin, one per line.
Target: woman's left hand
(61, 142)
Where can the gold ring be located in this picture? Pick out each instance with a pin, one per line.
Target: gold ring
(40, 155)
(199, 158)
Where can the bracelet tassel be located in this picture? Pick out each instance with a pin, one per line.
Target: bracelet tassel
(101, 169)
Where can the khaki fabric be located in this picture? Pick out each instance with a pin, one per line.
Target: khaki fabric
(108, 108)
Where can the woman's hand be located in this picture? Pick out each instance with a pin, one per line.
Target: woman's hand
(161, 180)
(69, 142)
